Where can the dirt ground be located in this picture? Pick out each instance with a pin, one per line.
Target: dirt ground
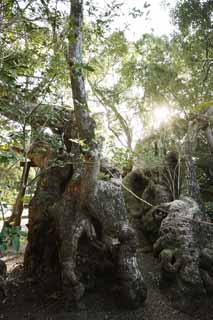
(27, 300)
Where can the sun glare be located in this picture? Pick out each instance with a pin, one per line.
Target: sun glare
(160, 115)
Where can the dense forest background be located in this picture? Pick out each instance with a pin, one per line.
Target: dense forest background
(130, 84)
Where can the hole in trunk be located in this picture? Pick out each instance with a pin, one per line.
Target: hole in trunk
(173, 259)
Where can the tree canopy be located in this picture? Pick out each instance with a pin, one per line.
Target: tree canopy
(125, 80)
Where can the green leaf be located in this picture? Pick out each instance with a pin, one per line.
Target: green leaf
(88, 68)
(3, 247)
(17, 229)
(16, 243)
(4, 232)
(23, 234)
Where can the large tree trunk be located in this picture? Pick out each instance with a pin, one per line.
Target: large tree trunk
(78, 225)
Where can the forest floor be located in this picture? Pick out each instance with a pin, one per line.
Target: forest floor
(27, 300)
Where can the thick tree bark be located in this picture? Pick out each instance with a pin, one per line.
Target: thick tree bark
(72, 211)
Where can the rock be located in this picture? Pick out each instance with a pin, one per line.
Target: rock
(206, 268)
(137, 182)
(148, 186)
(151, 221)
(179, 246)
(133, 288)
(111, 212)
(109, 170)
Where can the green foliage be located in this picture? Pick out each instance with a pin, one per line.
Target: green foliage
(127, 79)
(104, 176)
(193, 14)
(138, 77)
(7, 156)
(194, 43)
(9, 181)
(202, 107)
(122, 158)
(26, 199)
(10, 237)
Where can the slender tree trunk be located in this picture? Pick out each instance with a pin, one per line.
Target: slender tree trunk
(193, 188)
(209, 137)
(124, 125)
(18, 206)
(85, 124)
